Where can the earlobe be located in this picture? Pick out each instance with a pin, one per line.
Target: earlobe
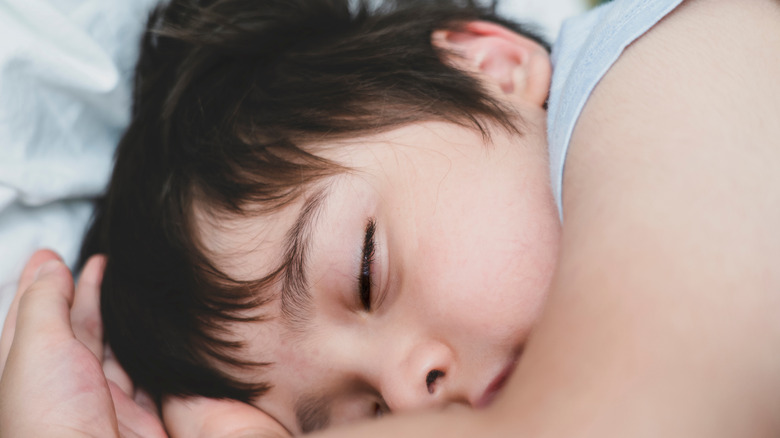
(513, 65)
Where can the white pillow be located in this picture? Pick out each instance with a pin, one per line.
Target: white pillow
(547, 14)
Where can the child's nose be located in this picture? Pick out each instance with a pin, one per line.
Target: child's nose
(423, 378)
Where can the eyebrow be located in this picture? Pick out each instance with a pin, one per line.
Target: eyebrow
(312, 413)
(296, 296)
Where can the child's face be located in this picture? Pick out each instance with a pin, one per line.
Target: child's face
(465, 242)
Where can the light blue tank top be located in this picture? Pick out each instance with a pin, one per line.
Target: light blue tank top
(586, 48)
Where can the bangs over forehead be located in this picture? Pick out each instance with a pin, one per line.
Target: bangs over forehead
(266, 253)
(230, 95)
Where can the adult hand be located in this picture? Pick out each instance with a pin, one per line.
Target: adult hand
(199, 417)
(51, 360)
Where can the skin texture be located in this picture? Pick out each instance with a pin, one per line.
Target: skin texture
(661, 319)
(56, 379)
(686, 205)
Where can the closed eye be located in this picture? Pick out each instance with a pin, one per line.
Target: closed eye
(367, 260)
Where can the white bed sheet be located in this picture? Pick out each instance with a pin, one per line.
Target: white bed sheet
(65, 69)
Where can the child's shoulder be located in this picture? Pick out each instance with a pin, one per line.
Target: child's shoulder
(586, 48)
(688, 111)
(669, 250)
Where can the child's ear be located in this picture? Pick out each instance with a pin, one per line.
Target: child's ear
(512, 64)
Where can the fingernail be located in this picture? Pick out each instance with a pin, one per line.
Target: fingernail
(47, 268)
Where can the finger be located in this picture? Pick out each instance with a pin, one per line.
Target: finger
(115, 373)
(144, 400)
(212, 418)
(27, 277)
(85, 314)
(134, 420)
(31, 268)
(44, 307)
(120, 381)
(41, 308)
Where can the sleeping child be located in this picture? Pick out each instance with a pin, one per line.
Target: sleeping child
(324, 212)
(332, 211)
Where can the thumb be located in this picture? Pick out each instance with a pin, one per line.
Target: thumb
(44, 307)
(28, 276)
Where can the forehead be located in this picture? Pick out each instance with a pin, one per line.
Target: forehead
(235, 241)
(416, 140)
(245, 247)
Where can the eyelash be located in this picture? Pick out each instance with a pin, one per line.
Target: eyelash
(367, 261)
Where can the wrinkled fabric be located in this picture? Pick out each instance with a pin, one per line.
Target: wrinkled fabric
(65, 94)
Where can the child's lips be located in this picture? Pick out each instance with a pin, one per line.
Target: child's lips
(496, 385)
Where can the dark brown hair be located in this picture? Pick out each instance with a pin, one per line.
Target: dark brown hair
(228, 95)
